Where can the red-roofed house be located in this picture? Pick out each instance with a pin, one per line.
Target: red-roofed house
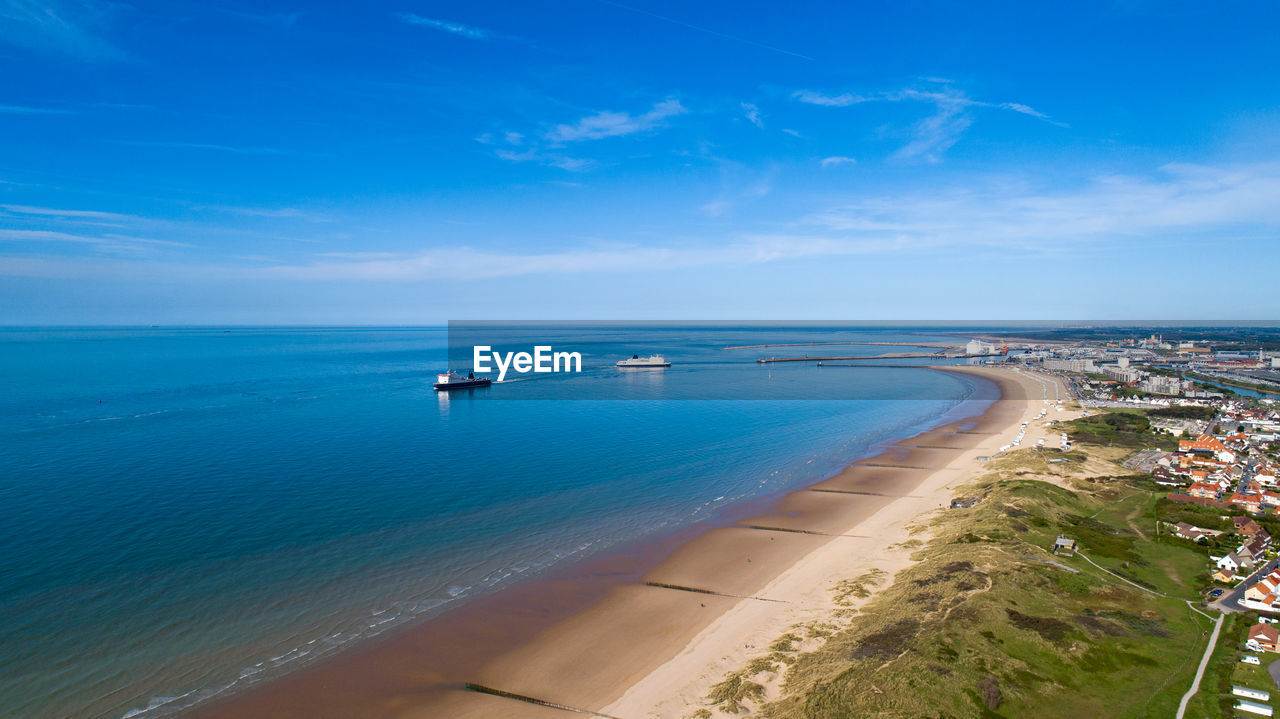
(1204, 490)
(1205, 443)
(1263, 638)
(1246, 526)
(1250, 502)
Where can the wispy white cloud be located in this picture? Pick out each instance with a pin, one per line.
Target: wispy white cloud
(613, 124)
(46, 236)
(549, 148)
(64, 28)
(1001, 213)
(269, 212)
(109, 241)
(846, 99)
(837, 160)
(25, 110)
(66, 214)
(550, 159)
(753, 114)
(455, 28)
(932, 136)
(1011, 215)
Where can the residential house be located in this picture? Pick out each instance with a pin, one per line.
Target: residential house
(1204, 490)
(1249, 502)
(1231, 562)
(1255, 549)
(1188, 531)
(1204, 444)
(1263, 638)
(1246, 526)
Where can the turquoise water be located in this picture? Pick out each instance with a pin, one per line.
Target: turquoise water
(186, 511)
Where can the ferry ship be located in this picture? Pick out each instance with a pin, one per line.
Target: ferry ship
(453, 380)
(650, 361)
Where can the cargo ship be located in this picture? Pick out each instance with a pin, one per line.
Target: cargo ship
(453, 380)
(650, 361)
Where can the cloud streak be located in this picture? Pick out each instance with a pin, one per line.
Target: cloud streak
(48, 26)
(1009, 216)
(930, 137)
(614, 124)
(453, 28)
(837, 160)
(64, 214)
(1000, 214)
(24, 110)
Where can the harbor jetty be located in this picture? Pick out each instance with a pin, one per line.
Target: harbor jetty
(953, 345)
(889, 355)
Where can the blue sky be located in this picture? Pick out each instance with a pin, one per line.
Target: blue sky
(414, 162)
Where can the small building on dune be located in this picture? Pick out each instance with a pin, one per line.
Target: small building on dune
(1064, 546)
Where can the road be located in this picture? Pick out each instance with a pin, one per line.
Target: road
(1204, 662)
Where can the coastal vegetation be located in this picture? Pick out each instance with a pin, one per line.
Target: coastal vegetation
(988, 622)
(1122, 428)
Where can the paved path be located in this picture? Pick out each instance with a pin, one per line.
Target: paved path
(1204, 662)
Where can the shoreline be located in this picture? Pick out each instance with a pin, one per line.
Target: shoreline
(872, 549)
(674, 607)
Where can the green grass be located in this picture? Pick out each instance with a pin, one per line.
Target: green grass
(979, 628)
(1124, 428)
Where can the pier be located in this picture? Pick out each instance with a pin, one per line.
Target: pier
(891, 355)
(851, 344)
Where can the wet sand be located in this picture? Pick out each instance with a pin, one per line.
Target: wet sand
(638, 634)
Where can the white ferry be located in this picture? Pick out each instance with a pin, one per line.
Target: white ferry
(650, 361)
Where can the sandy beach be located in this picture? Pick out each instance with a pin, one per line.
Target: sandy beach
(653, 637)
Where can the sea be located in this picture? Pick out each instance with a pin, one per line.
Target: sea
(185, 512)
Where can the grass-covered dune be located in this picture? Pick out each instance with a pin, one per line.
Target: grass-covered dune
(989, 623)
